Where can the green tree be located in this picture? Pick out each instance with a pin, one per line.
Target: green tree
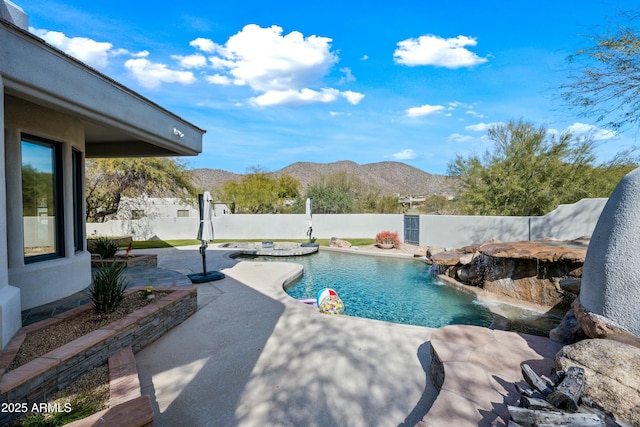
(437, 204)
(108, 180)
(388, 204)
(530, 172)
(344, 192)
(604, 82)
(258, 192)
(329, 197)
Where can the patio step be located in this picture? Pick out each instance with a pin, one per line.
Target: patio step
(128, 407)
(475, 369)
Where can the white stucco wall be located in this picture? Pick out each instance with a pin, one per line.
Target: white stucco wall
(611, 274)
(44, 281)
(10, 317)
(450, 231)
(268, 226)
(566, 222)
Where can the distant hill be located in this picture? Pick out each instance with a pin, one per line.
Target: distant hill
(390, 177)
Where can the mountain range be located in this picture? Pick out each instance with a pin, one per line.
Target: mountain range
(389, 177)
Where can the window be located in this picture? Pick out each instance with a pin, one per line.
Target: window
(183, 213)
(42, 199)
(78, 189)
(137, 214)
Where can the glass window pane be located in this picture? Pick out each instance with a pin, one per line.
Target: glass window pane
(78, 188)
(39, 199)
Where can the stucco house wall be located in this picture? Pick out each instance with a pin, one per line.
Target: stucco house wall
(35, 280)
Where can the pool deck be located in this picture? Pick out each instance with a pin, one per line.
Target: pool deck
(251, 355)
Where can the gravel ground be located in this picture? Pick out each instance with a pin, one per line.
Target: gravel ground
(52, 337)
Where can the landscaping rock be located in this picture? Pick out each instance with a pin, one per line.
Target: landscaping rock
(597, 326)
(571, 285)
(433, 250)
(447, 258)
(539, 251)
(568, 331)
(339, 243)
(612, 375)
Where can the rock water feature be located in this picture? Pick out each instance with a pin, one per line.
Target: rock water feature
(529, 272)
(600, 288)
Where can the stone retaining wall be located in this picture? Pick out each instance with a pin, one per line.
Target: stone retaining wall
(57, 369)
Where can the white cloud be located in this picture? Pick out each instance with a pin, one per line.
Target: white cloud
(424, 110)
(218, 79)
(348, 76)
(434, 50)
(282, 68)
(151, 74)
(482, 127)
(86, 50)
(584, 130)
(125, 52)
(455, 104)
(456, 137)
(474, 114)
(267, 60)
(405, 154)
(303, 96)
(204, 45)
(364, 57)
(191, 61)
(352, 98)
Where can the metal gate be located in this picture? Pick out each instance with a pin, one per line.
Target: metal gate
(412, 229)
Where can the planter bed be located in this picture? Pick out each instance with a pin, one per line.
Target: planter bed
(55, 370)
(150, 260)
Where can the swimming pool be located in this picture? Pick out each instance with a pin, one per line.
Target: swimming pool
(390, 289)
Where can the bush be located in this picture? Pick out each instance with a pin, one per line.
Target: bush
(108, 288)
(105, 247)
(388, 237)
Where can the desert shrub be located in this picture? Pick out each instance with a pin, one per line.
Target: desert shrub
(105, 247)
(387, 237)
(108, 287)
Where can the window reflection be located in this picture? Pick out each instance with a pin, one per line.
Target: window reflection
(39, 199)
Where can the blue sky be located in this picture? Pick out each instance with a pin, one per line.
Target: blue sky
(278, 82)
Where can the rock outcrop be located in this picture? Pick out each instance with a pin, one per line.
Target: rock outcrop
(612, 375)
(524, 271)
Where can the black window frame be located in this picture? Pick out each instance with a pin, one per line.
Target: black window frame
(77, 164)
(58, 188)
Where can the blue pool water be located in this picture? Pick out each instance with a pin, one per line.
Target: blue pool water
(389, 289)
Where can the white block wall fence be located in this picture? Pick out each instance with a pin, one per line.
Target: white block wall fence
(450, 231)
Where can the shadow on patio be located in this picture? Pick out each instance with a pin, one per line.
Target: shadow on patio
(253, 356)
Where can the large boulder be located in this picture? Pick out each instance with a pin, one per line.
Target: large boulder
(611, 274)
(612, 375)
(339, 243)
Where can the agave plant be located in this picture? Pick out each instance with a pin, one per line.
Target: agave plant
(108, 288)
(105, 247)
